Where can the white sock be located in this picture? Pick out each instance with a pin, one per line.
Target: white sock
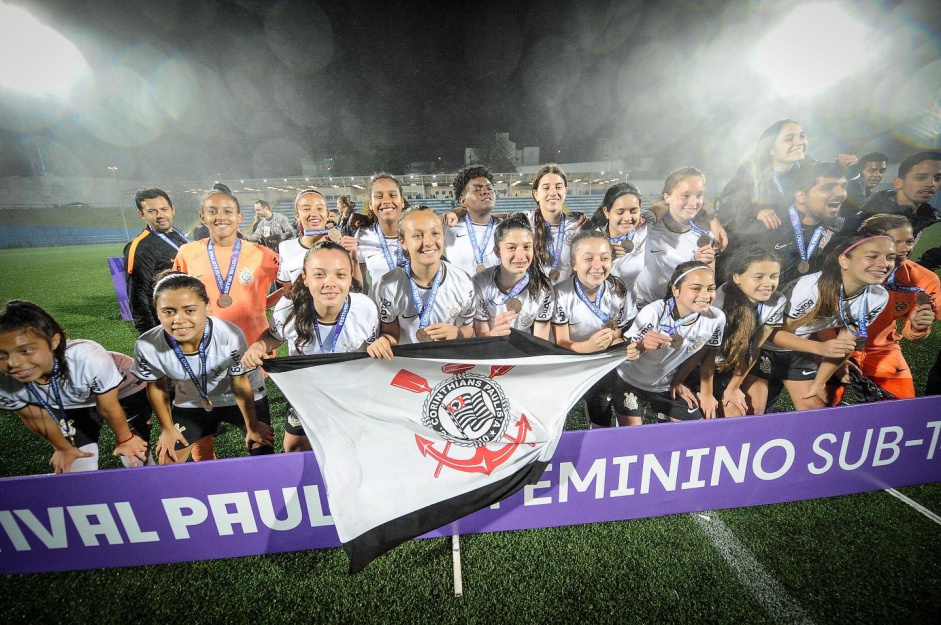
(86, 464)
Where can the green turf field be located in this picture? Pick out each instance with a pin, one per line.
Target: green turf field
(862, 558)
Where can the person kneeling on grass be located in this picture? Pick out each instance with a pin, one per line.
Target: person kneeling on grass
(61, 389)
(204, 354)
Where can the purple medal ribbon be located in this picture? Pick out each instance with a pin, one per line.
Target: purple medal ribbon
(892, 285)
(805, 252)
(167, 239)
(399, 257)
(672, 328)
(479, 250)
(516, 290)
(424, 310)
(592, 305)
(341, 320)
(861, 323)
(558, 243)
(618, 239)
(224, 287)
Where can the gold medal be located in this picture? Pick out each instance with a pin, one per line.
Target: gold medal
(703, 240)
(423, 336)
(514, 304)
(554, 275)
(224, 301)
(627, 245)
(207, 405)
(803, 267)
(335, 235)
(676, 341)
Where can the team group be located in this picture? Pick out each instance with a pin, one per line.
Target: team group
(692, 297)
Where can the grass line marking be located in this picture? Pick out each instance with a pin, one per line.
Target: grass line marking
(779, 605)
(914, 504)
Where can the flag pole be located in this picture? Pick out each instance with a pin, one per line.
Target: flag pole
(456, 557)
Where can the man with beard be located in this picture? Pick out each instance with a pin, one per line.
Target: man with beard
(804, 236)
(918, 180)
(270, 228)
(869, 173)
(151, 252)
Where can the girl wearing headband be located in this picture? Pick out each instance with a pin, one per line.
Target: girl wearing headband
(676, 333)
(515, 293)
(63, 388)
(914, 298)
(679, 235)
(320, 316)
(202, 354)
(310, 211)
(827, 318)
(592, 308)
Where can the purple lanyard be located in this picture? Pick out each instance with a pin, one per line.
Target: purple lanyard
(892, 285)
(341, 321)
(558, 243)
(805, 252)
(424, 311)
(516, 290)
(224, 287)
(479, 250)
(861, 323)
(167, 239)
(672, 328)
(399, 258)
(592, 305)
(203, 389)
(59, 415)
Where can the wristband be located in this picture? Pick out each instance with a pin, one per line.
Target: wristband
(126, 439)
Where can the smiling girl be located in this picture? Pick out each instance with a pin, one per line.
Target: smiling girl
(553, 230)
(619, 217)
(828, 314)
(427, 299)
(591, 310)
(203, 354)
(321, 316)
(680, 235)
(62, 388)
(379, 250)
(514, 294)
(676, 334)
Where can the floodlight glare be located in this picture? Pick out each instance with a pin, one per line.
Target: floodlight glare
(814, 47)
(34, 59)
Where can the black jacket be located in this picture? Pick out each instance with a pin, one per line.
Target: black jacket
(884, 201)
(145, 257)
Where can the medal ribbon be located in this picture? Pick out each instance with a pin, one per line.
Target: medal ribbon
(805, 252)
(167, 239)
(777, 183)
(203, 389)
(479, 250)
(592, 305)
(558, 242)
(892, 285)
(59, 415)
(341, 320)
(424, 311)
(516, 290)
(618, 239)
(224, 287)
(672, 328)
(861, 323)
(399, 258)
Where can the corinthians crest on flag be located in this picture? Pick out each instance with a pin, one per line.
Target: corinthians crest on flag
(442, 430)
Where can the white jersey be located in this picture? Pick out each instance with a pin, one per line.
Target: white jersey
(455, 302)
(369, 250)
(802, 295)
(665, 250)
(654, 370)
(359, 330)
(93, 370)
(570, 310)
(770, 313)
(571, 229)
(292, 260)
(631, 265)
(491, 302)
(154, 359)
(460, 250)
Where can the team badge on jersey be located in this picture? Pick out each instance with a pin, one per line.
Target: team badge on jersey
(452, 310)
(697, 342)
(526, 320)
(246, 276)
(630, 401)
(901, 306)
(470, 412)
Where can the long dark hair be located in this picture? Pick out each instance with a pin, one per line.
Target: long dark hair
(170, 280)
(612, 195)
(538, 283)
(683, 268)
(740, 320)
(22, 315)
(541, 237)
(304, 312)
(616, 284)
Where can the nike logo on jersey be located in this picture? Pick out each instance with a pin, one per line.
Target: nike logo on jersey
(653, 251)
(778, 246)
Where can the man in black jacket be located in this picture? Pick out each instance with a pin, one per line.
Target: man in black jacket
(919, 178)
(151, 252)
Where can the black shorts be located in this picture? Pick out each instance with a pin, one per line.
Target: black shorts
(630, 401)
(196, 423)
(82, 426)
(292, 423)
(787, 365)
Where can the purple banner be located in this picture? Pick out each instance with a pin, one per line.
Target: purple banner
(248, 506)
(119, 279)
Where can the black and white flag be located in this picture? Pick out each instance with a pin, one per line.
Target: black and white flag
(440, 431)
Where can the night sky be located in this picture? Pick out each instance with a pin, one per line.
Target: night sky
(246, 88)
